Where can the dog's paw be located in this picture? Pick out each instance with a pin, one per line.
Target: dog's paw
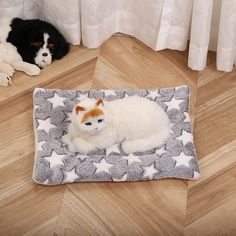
(5, 80)
(32, 70)
(7, 69)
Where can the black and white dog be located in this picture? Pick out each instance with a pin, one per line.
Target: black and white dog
(28, 45)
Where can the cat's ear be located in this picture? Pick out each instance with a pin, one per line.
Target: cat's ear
(79, 108)
(99, 102)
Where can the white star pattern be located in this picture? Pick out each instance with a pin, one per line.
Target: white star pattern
(196, 175)
(187, 118)
(113, 148)
(173, 104)
(102, 166)
(153, 94)
(149, 171)
(131, 158)
(171, 130)
(55, 159)
(70, 176)
(36, 107)
(82, 158)
(57, 101)
(124, 178)
(161, 151)
(186, 137)
(83, 96)
(45, 182)
(40, 144)
(109, 93)
(69, 116)
(182, 160)
(45, 125)
(126, 95)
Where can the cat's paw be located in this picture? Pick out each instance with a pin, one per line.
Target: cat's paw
(82, 146)
(71, 148)
(66, 139)
(5, 80)
(129, 147)
(32, 70)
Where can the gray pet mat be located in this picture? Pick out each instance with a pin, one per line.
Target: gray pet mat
(54, 164)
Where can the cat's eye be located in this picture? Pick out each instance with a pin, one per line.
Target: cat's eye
(88, 123)
(100, 120)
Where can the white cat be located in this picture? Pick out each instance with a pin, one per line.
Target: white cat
(137, 122)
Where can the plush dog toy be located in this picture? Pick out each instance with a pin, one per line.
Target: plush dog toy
(28, 45)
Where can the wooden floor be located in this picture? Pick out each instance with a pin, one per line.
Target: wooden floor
(165, 207)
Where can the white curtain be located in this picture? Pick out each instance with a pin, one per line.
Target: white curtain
(160, 24)
(65, 14)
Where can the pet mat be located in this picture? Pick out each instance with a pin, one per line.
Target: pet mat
(54, 164)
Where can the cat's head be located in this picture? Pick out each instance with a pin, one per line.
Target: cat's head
(89, 116)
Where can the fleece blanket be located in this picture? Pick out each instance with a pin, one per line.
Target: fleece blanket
(54, 164)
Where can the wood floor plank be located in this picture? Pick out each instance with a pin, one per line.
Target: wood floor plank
(212, 207)
(212, 199)
(121, 208)
(46, 228)
(215, 163)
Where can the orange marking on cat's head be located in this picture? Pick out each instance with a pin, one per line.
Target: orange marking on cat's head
(79, 108)
(92, 113)
(99, 101)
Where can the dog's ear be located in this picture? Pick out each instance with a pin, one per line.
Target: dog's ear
(78, 109)
(61, 47)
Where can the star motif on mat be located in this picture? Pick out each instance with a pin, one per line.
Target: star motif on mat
(171, 128)
(69, 116)
(149, 171)
(185, 137)
(182, 160)
(82, 158)
(36, 107)
(57, 101)
(102, 166)
(45, 125)
(153, 94)
(46, 181)
(196, 175)
(113, 148)
(109, 93)
(40, 144)
(187, 118)
(160, 151)
(70, 176)
(131, 158)
(82, 96)
(122, 179)
(173, 104)
(55, 159)
(126, 95)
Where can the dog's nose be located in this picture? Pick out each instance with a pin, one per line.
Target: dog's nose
(44, 54)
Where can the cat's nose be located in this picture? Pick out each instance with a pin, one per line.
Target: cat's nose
(45, 54)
